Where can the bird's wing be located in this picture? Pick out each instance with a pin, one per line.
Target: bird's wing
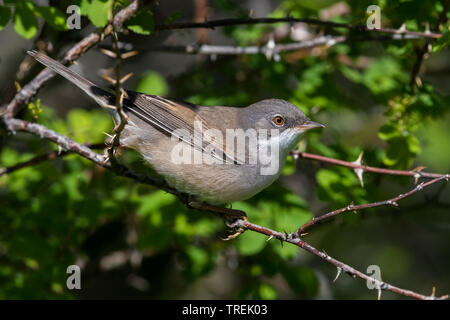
(178, 119)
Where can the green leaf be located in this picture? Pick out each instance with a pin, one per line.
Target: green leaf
(388, 131)
(98, 11)
(154, 201)
(5, 15)
(413, 144)
(250, 243)
(25, 22)
(53, 16)
(267, 292)
(153, 83)
(142, 22)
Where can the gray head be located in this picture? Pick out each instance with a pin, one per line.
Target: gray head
(278, 114)
(282, 115)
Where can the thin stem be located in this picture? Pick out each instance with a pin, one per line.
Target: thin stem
(352, 207)
(412, 173)
(251, 21)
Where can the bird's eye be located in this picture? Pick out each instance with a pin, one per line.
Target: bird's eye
(278, 120)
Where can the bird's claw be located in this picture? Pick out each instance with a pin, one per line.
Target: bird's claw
(233, 225)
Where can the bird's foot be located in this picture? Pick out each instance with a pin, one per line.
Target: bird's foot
(231, 220)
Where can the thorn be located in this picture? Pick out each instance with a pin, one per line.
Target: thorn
(270, 46)
(294, 155)
(130, 54)
(75, 62)
(59, 150)
(379, 294)
(108, 53)
(339, 271)
(270, 238)
(427, 28)
(433, 292)
(418, 174)
(126, 77)
(106, 159)
(416, 178)
(109, 79)
(402, 28)
(304, 234)
(359, 171)
(124, 93)
(350, 206)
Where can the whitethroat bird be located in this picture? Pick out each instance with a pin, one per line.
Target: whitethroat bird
(202, 151)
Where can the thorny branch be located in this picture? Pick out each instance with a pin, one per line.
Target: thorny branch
(120, 93)
(294, 238)
(272, 49)
(422, 52)
(251, 21)
(417, 173)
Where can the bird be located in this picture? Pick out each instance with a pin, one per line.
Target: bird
(199, 150)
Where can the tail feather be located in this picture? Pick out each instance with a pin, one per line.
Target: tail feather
(101, 96)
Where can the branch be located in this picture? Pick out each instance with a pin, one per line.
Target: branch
(251, 21)
(352, 207)
(417, 173)
(120, 93)
(270, 48)
(422, 53)
(294, 239)
(29, 90)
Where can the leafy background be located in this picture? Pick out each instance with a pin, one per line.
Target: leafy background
(134, 241)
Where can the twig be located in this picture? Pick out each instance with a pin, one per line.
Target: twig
(352, 207)
(422, 52)
(251, 21)
(119, 99)
(264, 49)
(270, 49)
(29, 90)
(412, 173)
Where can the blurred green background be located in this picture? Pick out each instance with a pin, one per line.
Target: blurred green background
(134, 241)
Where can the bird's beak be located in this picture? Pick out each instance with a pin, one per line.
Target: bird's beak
(308, 124)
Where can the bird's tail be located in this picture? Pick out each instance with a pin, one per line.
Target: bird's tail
(102, 97)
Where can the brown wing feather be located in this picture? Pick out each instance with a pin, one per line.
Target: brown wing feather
(168, 116)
